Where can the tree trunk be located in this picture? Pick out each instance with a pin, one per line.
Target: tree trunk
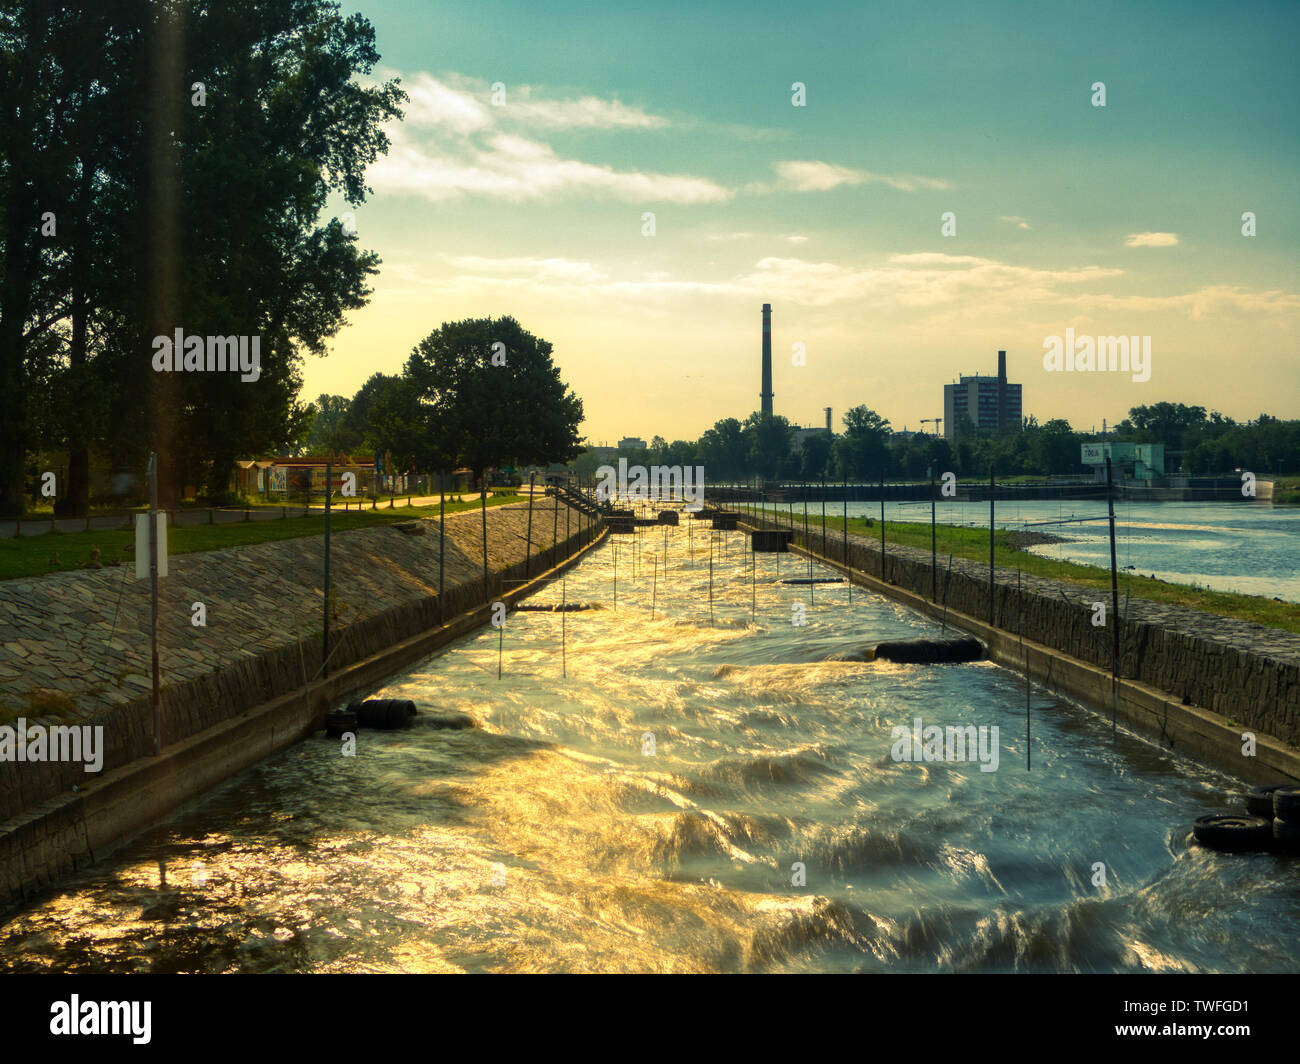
(22, 224)
(14, 301)
(76, 496)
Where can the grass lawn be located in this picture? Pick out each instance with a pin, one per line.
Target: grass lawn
(54, 552)
(1286, 490)
(973, 543)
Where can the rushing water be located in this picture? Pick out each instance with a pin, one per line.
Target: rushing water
(554, 837)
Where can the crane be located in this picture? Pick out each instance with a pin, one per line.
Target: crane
(936, 421)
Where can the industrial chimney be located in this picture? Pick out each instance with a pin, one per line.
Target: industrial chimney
(766, 394)
(828, 420)
(1002, 389)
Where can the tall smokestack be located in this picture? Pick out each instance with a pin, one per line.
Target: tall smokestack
(1002, 389)
(828, 419)
(766, 394)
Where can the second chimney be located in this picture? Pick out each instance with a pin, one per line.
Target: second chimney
(1002, 389)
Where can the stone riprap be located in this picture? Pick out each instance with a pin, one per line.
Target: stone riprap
(75, 648)
(1245, 672)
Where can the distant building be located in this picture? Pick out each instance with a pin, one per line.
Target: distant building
(1129, 461)
(798, 433)
(989, 402)
(631, 443)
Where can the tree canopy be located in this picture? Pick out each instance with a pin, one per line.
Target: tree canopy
(166, 167)
(483, 393)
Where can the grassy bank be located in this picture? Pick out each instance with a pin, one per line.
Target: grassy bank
(973, 544)
(55, 552)
(1286, 490)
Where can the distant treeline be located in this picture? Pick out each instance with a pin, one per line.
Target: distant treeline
(1195, 442)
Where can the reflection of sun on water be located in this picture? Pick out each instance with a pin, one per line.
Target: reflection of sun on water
(549, 839)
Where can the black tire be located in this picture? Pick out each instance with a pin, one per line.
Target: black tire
(384, 714)
(1286, 803)
(929, 651)
(1259, 802)
(1234, 834)
(339, 721)
(1286, 835)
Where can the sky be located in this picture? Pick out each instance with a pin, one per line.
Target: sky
(1123, 219)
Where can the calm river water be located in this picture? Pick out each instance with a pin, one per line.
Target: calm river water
(649, 811)
(1252, 548)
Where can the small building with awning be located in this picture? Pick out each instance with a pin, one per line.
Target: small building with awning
(251, 477)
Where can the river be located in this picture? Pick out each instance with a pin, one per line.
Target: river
(643, 790)
(1252, 548)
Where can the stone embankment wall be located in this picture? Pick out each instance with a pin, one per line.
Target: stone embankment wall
(1244, 672)
(78, 643)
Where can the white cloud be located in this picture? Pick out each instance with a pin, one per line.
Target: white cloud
(514, 168)
(552, 269)
(926, 279)
(816, 176)
(797, 238)
(1016, 220)
(940, 285)
(464, 105)
(436, 104)
(588, 112)
(455, 143)
(1203, 303)
(1151, 240)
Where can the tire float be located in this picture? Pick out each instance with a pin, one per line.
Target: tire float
(384, 714)
(928, 651)
(338, 721)
(1271, 823)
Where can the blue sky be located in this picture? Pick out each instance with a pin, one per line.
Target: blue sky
(1123, 219)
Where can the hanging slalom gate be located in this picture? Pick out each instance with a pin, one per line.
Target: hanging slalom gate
(770, 540)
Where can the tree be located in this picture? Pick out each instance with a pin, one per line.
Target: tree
(1166, 422)
(768, 446)
(485, 391)
(1054, 449)
(172, 215)
(286, 122)
(39, 105)
(862, 452)
(913, 457)
(816, 457)
(723, 450)
(680, 453)
(327, 432)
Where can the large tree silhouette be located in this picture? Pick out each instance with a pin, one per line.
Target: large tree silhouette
(174, 207)
(484, 392)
